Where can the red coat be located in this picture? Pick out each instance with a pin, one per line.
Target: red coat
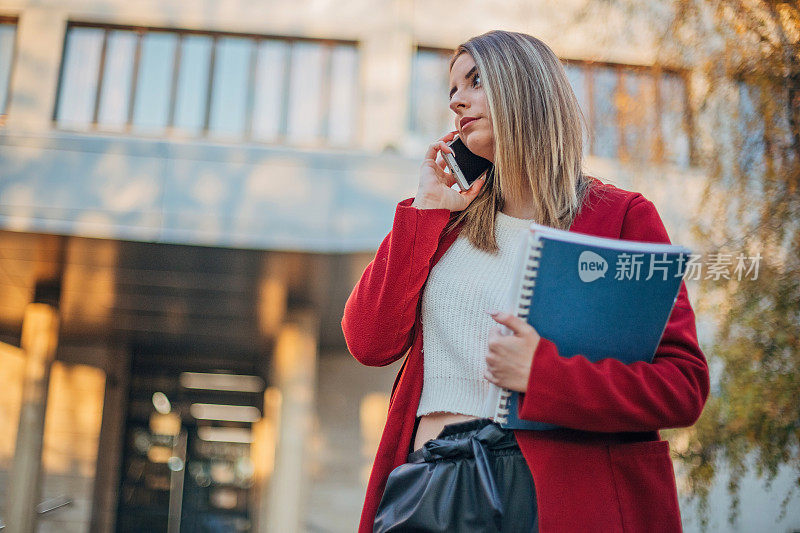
(589, 480)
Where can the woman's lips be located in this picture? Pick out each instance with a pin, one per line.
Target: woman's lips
(467, 123)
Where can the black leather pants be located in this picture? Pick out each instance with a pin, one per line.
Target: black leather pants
(471, 478)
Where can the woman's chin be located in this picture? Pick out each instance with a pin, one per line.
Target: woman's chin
(478, 146)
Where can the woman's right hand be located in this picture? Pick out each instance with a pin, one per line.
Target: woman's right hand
(435, 184)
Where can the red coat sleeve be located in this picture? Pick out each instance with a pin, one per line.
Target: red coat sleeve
(610, 396)
(380, 313)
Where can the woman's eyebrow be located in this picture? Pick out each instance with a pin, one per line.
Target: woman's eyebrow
(466, 77)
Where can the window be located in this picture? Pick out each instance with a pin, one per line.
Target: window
(79, 81)
(229, 97)
(632, 113)
(750, 136)
(578, 78)
(153, 82)
(604, 121)
(116, 89)
(159, 82)
(191, 92)
(675, 124)
(430, 115)
(8, 31)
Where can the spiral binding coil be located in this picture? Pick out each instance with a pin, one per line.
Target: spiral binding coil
(523, 307)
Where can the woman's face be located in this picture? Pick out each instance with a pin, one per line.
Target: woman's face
(468, 102)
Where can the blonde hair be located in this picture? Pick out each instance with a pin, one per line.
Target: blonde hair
(538, 135)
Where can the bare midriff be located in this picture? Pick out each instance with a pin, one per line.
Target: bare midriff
(431, 425)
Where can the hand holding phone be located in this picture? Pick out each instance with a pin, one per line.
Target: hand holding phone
(436, 185)
(465, 166)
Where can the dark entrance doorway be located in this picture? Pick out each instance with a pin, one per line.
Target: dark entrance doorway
(186, 464)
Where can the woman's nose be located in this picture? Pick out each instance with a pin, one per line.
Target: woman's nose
(458, 101)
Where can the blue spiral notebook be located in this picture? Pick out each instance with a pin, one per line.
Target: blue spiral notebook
(593, 296)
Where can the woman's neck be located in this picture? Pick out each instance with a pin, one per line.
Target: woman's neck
(519, 209)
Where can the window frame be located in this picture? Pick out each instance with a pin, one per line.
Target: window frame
(327, 47)
(9, 20)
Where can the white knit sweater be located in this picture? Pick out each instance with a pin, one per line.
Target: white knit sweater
(461, 287)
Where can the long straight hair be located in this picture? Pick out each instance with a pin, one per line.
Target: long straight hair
(538, 135)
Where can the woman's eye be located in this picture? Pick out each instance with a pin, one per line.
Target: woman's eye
(476, 80)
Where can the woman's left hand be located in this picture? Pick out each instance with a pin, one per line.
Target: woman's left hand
(508, 363)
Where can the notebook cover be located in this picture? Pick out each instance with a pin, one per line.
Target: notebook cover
(598, 299)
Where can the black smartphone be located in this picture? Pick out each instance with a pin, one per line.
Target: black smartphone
(465, 166)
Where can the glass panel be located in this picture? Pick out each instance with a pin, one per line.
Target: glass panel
(154, 83)
(7, 33)
(636, 103)
(117, 75)
(79, 77)
(205, 467)
(751, 131)
(344, 95)
(305, 93)
(229, 95)
(430, 115)
(268, 91)
(192, 91)
(576, 74)
(673, 125)
(605, 120)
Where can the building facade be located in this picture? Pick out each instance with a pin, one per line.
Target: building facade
(189, 191)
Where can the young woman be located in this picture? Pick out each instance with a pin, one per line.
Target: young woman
(440, 274)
